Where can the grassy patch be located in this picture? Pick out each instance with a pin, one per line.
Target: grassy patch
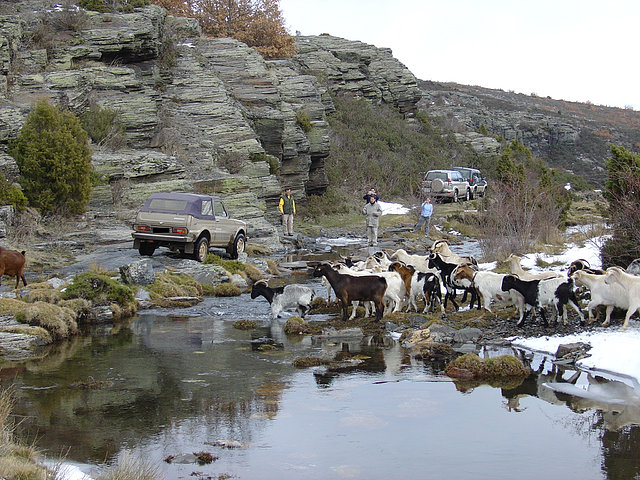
(227, 290)
(473, 367)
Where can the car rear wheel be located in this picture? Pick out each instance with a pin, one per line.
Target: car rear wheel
(238, 246)
(455, 196)
(202, 249)
(146, 249)
(473, 194)
(467, 195)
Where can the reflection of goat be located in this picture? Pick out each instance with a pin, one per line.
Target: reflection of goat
(618, 402)
(535, 385)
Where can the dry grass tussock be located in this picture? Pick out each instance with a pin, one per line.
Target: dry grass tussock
(16, 461)
(130, 467)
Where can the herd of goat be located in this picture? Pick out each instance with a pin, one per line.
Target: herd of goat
(398, 281)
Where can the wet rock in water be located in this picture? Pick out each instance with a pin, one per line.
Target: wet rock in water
(467, 334)
(138, 273)
(418, 339)
(296, 326)
(265, 344)
(344, 333)
(442, 333)
(231, 444)
(572, 350)
(102, 314)
(245, 325)
(436, 351)
(239, 281)
(468, 347)
(306, 362)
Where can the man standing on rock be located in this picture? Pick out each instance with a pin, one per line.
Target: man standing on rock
(425, 216)
(373, 212)
(287, 207)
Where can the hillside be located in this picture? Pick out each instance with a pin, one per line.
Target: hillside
(568, 135)
(211, 115)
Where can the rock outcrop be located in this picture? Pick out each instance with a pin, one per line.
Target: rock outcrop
(568, 135)
(199, 114)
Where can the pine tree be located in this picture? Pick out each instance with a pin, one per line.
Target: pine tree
(53, 156)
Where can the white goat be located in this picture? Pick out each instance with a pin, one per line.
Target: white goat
(629, 297)
(442, 247)
(602, 293)
(516, 269)
(289, 297)
(489, 287)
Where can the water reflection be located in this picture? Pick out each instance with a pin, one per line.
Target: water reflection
(182, 383)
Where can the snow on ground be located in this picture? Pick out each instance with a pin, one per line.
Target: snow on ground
(613, 352)
(393, 208)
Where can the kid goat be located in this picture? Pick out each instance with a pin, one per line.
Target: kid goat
(289, 297)
(556, 291)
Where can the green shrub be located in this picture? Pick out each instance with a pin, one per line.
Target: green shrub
(274, 163)
(94, 5)
(303, 120)
(103, 126)
(99, 289)
(52, 153)
(10, 194)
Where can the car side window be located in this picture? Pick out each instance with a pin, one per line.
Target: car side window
(207, 208)
(219, 209)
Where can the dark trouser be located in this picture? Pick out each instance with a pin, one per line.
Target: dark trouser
(426, 221)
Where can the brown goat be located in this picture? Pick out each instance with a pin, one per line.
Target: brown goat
(12, 263)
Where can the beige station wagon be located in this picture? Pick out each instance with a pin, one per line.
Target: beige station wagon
(189, 223)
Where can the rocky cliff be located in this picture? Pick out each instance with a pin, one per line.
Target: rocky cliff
(200, 114)
(569, 135)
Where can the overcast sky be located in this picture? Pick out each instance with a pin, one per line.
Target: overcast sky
(580, 50)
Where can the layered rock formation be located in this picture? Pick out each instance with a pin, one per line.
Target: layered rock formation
(200, 114)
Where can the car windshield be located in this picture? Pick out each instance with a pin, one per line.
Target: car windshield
(167, 205)
(434, 175)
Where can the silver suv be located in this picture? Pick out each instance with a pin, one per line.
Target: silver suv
(189, 223)
(476, 181)
(446, 184)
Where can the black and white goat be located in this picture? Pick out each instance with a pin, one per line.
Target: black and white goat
(290, 297)
(446, 270)
(537, 294)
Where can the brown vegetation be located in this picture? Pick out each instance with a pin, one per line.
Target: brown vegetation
(258, 23)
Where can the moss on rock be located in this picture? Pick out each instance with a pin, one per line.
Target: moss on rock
(471, 366)
(296, 326)
(245, 325)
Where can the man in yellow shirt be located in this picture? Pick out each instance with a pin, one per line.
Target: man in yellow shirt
(287, 207)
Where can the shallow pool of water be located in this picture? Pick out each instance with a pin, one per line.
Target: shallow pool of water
(174, 385)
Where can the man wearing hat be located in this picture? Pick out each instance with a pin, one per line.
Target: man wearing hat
(287, 207)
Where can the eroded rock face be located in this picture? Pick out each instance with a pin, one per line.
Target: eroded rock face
(359, 69)
(199, 114)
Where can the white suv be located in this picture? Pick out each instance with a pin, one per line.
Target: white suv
(446, 184)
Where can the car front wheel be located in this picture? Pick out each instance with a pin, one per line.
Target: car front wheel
(238, 246)
(202, 249)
